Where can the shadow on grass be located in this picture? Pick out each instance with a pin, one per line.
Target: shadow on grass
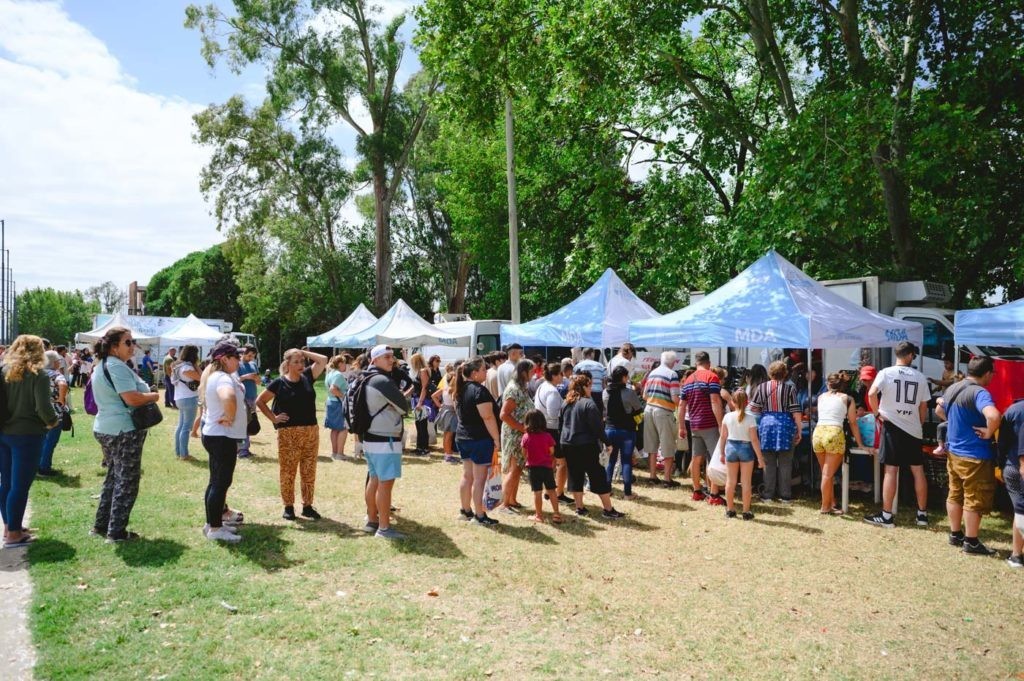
(63, 480)
(578, 527)
(50, 551)
(259, 460)
(425, 540)
(628, 522)
(150, 552)
(323, 458)
(667, 505)
(409, 459)
(327, 526)
(788, 526)
(528, 533)
(762, 509)
(264, 546)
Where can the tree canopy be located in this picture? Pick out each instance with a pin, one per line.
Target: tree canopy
(56, 315)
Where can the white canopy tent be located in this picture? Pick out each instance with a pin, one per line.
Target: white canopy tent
(118, 319)
(192, 331)
(360, 319)
(402, 327)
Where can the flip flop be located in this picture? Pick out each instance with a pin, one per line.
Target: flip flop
(25, 540)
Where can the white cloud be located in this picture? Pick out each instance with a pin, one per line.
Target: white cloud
(98, 180)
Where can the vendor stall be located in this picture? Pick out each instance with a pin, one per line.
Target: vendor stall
(360, 319)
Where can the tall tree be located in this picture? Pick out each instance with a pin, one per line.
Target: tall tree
(324, 57)
(108, 296)
(56, 315)
(202, 283)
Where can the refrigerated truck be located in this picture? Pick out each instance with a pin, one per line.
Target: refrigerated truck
(485, 337)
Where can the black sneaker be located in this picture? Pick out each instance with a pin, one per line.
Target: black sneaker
(977, 548)
(748, 516)
(879, 521)
(1015, 561)
(613, 514)
(122, 537)
(922, 519)
(730, 514)
(484, 520)
(289, 513)
(956, 539)
(465, 515)
(564, 499)
(310, 512)
(582, 511)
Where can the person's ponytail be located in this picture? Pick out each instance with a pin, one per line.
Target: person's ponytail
(112, 337)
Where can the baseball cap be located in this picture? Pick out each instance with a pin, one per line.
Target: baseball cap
(868, 373)
(224, 349)
(904, 348)
(380, 351)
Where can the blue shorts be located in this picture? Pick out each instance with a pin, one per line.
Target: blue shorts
(334, 417)
(383, 459)
(739, 451)
(480, 452)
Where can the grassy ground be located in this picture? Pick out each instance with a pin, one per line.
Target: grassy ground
(674, 591)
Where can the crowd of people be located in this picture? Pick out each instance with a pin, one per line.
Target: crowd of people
(569, 427)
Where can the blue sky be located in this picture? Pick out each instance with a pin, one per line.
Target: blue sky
(100, 177)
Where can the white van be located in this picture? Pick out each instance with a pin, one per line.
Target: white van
(485, 337)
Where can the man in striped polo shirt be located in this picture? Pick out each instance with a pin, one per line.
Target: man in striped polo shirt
(661, 392)
(701, 397)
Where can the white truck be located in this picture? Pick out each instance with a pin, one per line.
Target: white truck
(485, 337)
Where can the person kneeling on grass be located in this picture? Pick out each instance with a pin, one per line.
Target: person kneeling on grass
(582, 435)
(737, 447)
(386, 405)
(540, 451)
(224, 428)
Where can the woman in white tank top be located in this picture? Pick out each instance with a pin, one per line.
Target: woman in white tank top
(829, 440)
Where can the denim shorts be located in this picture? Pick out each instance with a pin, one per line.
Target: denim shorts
(739, 451)
(480, 452)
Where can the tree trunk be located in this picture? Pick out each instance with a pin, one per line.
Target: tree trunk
(457, 302)
(897, 205)
(382, 239)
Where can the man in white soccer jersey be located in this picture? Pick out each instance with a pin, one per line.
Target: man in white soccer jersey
(898, 399)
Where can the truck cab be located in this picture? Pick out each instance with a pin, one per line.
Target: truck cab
(485, 337)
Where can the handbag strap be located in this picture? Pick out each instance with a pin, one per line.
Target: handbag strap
(111, 382)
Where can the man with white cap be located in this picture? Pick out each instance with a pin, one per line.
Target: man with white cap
(382, 443)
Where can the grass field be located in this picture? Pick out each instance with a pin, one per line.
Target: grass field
(674, 591)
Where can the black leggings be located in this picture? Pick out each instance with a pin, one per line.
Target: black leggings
(422, 435)
(583, 460)
(223, 453)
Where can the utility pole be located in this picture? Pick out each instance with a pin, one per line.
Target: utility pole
(513, 214)
(3, 282)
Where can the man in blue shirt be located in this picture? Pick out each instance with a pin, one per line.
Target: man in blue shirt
(973, 420)
(249, 374)
(1011, 452)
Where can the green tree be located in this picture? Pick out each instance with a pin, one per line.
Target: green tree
(320, 55)
(202, 283)
(108, 296)
(56, 315)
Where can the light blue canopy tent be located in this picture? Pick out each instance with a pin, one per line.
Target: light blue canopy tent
(1001, 326)
(357, 321)
(774, 304)
(400, 326)
(599, 318)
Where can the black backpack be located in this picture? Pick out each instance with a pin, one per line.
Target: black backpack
(359, 417)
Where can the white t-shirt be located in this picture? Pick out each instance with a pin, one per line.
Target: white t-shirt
(619, 360)
(180, 388)
(902, 390)
(549, 402)
(215, 408)
(736, 429)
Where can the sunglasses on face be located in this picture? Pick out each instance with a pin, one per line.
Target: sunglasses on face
(128, 341)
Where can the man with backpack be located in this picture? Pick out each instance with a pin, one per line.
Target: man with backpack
(376, 408)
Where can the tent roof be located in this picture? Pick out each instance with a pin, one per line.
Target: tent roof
(600, 317)
(357, 321)
(192, 331)
(774, 304)
(403, 327)
(1001, 326)
(117, 320)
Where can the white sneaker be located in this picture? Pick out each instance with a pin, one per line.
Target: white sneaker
(230, 528)
(223, 534)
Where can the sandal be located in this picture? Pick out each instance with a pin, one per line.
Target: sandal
(832, 511)
(537, 518)
(556, 518)
(25, 540)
